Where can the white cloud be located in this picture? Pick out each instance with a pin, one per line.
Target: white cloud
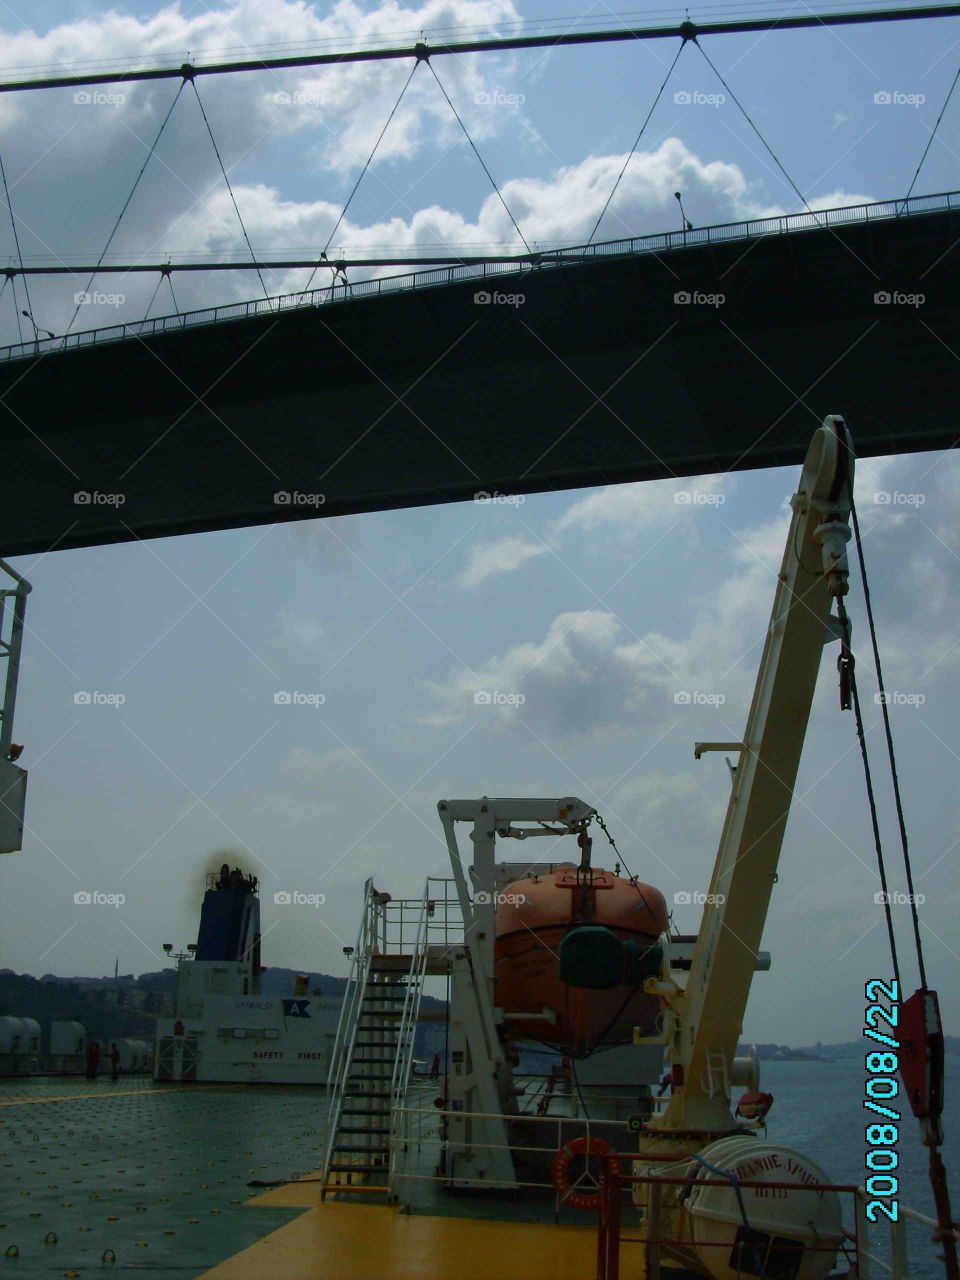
(502, 556)
(301, 629)
(588, 676)
(293, 813)
(306, 761)
(582, 679)
(637, 506)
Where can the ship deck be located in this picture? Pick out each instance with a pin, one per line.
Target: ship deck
(157, 1175)
(334, 1241)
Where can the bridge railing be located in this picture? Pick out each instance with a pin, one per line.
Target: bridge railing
(783, 224)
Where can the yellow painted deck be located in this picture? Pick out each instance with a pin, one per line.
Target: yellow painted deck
(341, 1241)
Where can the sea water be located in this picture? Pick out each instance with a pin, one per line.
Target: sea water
(818, 1109)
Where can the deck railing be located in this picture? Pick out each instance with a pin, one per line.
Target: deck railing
(667, 241)
(416, 1127)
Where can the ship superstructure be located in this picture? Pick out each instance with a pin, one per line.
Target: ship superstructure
(224, 1027)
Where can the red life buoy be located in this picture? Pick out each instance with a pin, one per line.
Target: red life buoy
(561, 1164)
(754, 1106)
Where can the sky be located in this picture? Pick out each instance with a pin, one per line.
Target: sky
(597, 607)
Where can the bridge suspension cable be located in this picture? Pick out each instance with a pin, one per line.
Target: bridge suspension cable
(478, 155)
(747, 117)
(343, 211)
(933, 133)
(686, 30)
(653, 107)
(164, 275)
(153, 147)
(253, 256)
(16, 241)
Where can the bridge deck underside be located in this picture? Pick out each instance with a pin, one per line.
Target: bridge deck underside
(428, 396)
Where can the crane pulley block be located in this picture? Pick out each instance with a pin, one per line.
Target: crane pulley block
(921, 1061)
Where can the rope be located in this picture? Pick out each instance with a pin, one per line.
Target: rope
(847, 666)
(583, 1103)
(734, 1181)
(127, 201)
(637, 142)
(932, 135)
(479, 157)
(343, 211)
(890, 752)
(16, 241)
(227, 181)
(633, 879)
(746, 117)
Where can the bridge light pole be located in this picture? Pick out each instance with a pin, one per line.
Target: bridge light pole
(685, 226)
(37, 332)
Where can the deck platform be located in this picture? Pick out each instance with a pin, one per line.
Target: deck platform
(340, 1241)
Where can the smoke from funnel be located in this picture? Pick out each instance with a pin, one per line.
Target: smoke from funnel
(211, 864)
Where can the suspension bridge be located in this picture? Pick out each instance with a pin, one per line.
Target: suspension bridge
(683, 353)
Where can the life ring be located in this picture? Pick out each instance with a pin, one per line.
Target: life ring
(561, 1164)
(754, 1106)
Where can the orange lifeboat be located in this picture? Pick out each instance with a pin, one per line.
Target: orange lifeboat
(535, 916)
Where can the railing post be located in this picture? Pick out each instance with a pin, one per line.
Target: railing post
(653, 1231)
(613, 1219)
(859, 1224)
(898, 1249)
(602, 1220)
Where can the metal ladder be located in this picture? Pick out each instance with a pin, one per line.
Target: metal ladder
(357, 1125)
(423, 960)
(373, 1053)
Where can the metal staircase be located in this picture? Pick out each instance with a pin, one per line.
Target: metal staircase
(373, 1053)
